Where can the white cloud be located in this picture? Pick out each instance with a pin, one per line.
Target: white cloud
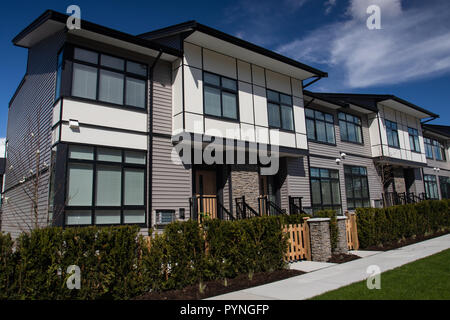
(329, 5)
(2, 147)
(412, 44)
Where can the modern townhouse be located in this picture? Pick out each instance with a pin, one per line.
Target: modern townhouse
(105, 129)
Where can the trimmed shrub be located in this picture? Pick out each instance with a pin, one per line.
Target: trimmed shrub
(384, 225)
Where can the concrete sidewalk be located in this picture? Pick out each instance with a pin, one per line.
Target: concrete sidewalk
(314, 283)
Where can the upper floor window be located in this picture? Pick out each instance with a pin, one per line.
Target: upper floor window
(414, 139)
(105, 186)
(109, 79)
(59, 66)
(392, 134)
(350, 127)
(320, 126)
(428, 147)
(220, 96)
(439, 150)
(280, 111)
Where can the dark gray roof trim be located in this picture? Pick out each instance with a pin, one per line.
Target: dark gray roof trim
(62, 18)
(191, 26)
(439, 129)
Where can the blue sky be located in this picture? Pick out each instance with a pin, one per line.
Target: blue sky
(408, 57)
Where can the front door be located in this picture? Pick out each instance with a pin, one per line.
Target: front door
(267, 192)
(206, 192)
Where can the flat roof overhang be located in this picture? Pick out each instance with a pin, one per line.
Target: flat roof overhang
(51, 22)
(334, 104)
(399, 162)
(408, 108)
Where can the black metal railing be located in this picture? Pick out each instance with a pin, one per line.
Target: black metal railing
(390, 199)
(202, 206)
(268, 207)
(295, 205)
(243, 210)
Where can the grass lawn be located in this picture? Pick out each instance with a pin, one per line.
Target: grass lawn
(428, 278)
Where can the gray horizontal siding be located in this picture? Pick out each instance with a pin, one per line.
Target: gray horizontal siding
(172, 183)
(298, 179)
(162, 98)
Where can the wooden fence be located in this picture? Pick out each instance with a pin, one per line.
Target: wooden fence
(299, 242)
(352, 231)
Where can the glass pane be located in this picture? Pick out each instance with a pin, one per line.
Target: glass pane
(329, 118)
(86, 55)
(324, 173)
(326, 192)
(229, 105)
(319, 115)
(109, 185)
(358, 134)
(286, 99)
(273, 96)
(111, 155)
(135, 93)
(135, 157)
(79, 182)
(112, 62)
(349, 186)
(334, 174)
(315, 172)
(364, 188)
(341, 116)
(78, 217)
(111, 87)
(134, 187)
(137, 68)
(321, 133)
(411, 143)
(357, 187)
(315, 191)
(211, 78)
(81, 152)
(287, 118)
(84, 81)
(310, 129)
(229, 84)
(309, 113)
(395, 138)
(134, 216)
(343, 129)
(274, 115)
(212, 101)
(107, 217)
(330, 133)
(351, 132)
(336, 193)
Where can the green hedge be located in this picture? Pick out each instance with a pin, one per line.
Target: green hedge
(116, 263)
(380, 226)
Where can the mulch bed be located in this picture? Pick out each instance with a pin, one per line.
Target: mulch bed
(214, 288)
(405, 242)
(342, 257)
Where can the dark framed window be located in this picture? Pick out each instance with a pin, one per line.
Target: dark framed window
(220, 96)
(431, 188)
(444, 183)
(105, 186)
(320, 126)
(428, 147)
(280, 110)
(439, 151)
(105, 78)
(392, 134)
(325, 189)
(414, 139)
(59, 67)
(350, 128)
(356, 187)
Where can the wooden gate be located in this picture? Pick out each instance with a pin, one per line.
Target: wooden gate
(299, 242)
(352, 231)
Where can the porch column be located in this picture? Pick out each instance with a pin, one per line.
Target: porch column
(319, 230)
(341, 246)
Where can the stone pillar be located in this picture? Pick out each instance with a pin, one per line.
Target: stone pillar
(341, 246)
(245, 182)
(319, 231)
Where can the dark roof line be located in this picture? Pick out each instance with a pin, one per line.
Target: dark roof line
(374, 98)
(439, 129)
(62, 18)
(196, 26)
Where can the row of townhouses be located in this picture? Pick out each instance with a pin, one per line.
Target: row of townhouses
(106, 128)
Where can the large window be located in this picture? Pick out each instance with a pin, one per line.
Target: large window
(325, 189)
(350, 127)
(392, 134)
(356, 187)
(320, 126)
(444, 183)
(414, 139)
(109, 79)
(439, 151)
(428, 147)
(105, 186)
(280, 112)
(220, 96)
(431, 188)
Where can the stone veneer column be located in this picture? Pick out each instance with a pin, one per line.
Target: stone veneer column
(319, 231)
(341, 246)
(245, 182)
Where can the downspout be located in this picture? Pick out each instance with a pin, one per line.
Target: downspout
(150, 143)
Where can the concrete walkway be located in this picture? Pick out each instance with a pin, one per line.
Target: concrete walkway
(333, 277)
